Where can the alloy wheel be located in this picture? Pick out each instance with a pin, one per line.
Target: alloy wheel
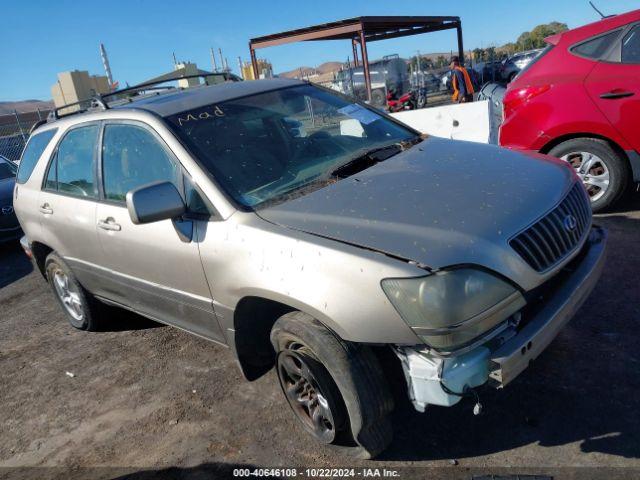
(592, 170)
(305, 385)
(68, 294)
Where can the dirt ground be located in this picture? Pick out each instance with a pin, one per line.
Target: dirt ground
(148, 401)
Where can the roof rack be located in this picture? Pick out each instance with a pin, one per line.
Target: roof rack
(99, 101)
(145, 86)
(93, 102)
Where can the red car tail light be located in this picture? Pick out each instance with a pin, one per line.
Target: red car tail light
(517, 97)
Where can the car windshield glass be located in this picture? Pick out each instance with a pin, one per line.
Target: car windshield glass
(264, 147)
(7, 170)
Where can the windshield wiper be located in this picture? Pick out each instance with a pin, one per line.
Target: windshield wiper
(369, 158)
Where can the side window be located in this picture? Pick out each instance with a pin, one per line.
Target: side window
(32, 152)
(596, 47)
(131, 157)
(72, 169)
(631, 46)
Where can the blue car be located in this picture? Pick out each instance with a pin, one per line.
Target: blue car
(9, 227)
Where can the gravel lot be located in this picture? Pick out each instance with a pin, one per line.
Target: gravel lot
(149, 401)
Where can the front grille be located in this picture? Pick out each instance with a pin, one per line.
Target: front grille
(552, 238)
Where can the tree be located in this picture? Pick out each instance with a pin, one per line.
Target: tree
(535, 38)
(479, 54)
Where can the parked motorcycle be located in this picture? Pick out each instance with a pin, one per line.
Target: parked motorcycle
(412, 100)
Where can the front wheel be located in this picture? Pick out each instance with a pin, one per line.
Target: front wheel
(335, 388)
(602, 170)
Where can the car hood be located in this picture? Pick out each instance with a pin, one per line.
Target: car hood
(440, 203)
(6, 190)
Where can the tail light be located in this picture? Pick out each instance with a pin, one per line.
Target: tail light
(517, 97)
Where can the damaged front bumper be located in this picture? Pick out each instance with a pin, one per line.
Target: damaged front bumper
(501, 360)
(580, 277)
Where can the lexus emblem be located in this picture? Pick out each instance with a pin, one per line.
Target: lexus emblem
(570, 223)
(8, 210)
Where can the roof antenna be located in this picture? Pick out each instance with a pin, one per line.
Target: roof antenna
(602, 15)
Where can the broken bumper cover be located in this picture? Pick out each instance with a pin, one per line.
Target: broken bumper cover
(510, 359)
(26, 246)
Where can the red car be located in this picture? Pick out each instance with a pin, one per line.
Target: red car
(579, 100)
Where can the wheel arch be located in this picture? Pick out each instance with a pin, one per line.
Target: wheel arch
(40, 251)
(253, 319)
(572, 136)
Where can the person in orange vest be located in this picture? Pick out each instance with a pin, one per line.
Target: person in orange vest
(461, 82)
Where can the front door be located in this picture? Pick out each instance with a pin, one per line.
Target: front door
(156, 267)
(615, 87)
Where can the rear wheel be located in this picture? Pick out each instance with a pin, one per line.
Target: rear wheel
(602, 170)
(83, 311)
(335, 388)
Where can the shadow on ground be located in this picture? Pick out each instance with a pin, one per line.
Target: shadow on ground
(120, 320)
(14, 264)
(205, 471)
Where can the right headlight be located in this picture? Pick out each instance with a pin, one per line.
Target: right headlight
(452, 308)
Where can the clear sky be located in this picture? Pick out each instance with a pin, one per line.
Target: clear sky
(40, 38)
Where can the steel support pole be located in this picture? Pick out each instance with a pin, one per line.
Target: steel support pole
(460, 45)
(254, 62)
(365, 64)
(354, 47)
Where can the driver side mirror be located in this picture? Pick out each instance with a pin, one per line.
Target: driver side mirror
(155, 202)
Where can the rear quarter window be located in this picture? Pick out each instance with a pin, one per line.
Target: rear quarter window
(595, 48)
(32, 153)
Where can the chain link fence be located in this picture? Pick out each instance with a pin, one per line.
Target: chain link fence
(14, 131)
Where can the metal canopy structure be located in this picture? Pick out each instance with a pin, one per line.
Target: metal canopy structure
(359, 31)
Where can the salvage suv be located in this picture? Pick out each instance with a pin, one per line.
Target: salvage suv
(315, 234)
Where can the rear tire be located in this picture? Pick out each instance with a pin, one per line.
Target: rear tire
(82, 310)
(597, 164)
(348, 377)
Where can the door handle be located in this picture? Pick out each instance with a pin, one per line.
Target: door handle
(46, 209)
(615, 94)
(109, 224)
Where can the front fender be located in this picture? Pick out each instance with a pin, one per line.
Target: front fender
(336, 283)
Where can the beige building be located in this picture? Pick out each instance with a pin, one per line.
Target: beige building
(77, 85)
(265, 70)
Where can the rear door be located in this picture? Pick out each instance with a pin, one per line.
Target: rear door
(155, 268)
(67, 203)
(614, 85)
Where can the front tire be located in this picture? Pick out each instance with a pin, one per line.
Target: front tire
(602, 170)
(82, 310)
(335, 388)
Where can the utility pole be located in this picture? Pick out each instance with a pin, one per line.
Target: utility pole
(221, 59)
(105, 63)
(213, 60)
